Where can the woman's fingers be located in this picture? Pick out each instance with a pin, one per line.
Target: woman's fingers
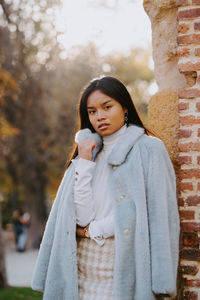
(85, 148)
(80, 231)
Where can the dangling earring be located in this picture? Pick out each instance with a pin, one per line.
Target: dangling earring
(126, 118)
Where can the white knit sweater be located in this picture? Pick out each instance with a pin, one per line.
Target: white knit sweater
(92, 202)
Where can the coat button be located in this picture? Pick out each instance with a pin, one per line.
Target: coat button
(121, 198)
(126, 231)
(77, 173)
(114, 167)
(76, 178)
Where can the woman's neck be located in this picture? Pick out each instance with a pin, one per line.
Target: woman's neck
(110, 140)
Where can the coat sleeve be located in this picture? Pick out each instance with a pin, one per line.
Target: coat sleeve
(40, 271)
(163, 216)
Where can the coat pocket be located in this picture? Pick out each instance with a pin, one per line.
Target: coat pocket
(125, 216)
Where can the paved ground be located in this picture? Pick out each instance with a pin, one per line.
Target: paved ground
(19, 266)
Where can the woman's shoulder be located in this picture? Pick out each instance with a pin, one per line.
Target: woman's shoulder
(148, 147)
(152, 144)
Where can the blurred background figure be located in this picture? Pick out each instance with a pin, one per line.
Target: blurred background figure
(21, 222)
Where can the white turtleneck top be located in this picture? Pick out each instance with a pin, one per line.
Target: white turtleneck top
(93, 203)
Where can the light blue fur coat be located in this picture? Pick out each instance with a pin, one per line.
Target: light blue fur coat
(143, 185)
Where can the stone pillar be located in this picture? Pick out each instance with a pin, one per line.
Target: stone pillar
(163, 107)
(176, 54)
(188, 16)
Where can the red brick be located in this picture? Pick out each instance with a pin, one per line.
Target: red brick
(195, 1)
(183, 52)
(183, 133)
(189, 120)
(183, 28)
(188, 295)
(191, 78)
(183, 106)
(198, 187)
(183, 174)
(198, 160)
(189, 13)
(198, 79)
(197, 51)
(190, 270)
(189, 67)
(193, 200)
(190, 239)
(180, 202)
(198, 132)
(188, 39)
(185, 186)
(190, 254)
(181, 2)
(197, 25)
(190, 227)
(184, 160)
(189, 93)
(187, 215)
(198, 106)
(186, 147)
(194, 283)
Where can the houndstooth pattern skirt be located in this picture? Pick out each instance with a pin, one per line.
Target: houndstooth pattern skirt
(95, 269)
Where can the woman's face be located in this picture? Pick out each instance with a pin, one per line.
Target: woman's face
(105, 114)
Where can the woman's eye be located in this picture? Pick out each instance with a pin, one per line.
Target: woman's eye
(107, 106)
(91, 112)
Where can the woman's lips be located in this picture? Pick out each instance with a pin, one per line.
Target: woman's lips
(103, 126)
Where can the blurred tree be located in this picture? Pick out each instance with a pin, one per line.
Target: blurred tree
(135, 73)
(3, 277)
(28, 38)
(7, 87)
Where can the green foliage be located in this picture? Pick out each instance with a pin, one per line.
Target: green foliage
(20, 293)
(134, 72)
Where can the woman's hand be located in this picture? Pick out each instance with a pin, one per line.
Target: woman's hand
(85, 148)
(80, 231)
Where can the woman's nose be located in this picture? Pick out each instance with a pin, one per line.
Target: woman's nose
(100, 115)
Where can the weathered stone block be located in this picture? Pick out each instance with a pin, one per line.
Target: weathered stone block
(163, 119)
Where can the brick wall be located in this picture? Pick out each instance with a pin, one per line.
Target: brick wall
(188, 15)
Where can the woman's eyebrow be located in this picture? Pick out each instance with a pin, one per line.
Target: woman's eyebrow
(107, 102)
(92, 107)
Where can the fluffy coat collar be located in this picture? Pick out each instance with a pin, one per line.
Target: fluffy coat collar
(122, 147)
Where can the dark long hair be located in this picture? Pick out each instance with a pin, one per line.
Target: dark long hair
(113, 88)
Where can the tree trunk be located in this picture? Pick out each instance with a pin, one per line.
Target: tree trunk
(3, 278)
(37, 224)
(35, 193)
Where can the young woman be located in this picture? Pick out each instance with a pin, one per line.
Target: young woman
(113, 231)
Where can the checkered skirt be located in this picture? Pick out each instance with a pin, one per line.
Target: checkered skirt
(95, 269)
